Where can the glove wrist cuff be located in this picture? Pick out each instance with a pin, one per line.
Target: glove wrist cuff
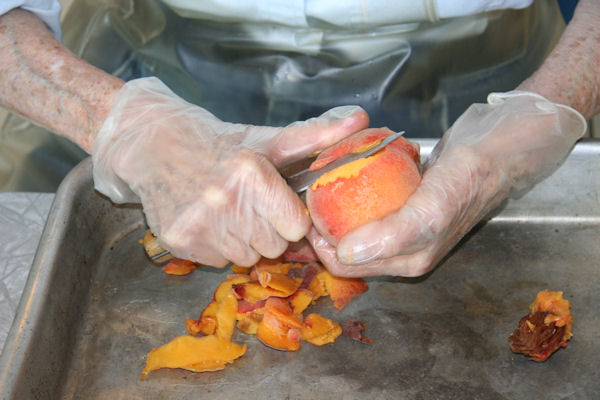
(113, 129)
(577, 124)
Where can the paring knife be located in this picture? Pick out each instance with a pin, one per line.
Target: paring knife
(301, 180)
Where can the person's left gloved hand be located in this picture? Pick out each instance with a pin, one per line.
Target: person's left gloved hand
(210, 190)
(491, 151)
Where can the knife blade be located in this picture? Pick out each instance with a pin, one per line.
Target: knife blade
(301, 180)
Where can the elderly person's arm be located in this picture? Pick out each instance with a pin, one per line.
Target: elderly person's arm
(571, 73)
(44, 82)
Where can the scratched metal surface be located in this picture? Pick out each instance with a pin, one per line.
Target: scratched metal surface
(94, 306)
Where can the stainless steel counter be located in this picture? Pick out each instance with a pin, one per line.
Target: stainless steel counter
(440, 336)
(22, 219)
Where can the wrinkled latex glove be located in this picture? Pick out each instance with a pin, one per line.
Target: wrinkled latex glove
(491, 151)
(210, 190)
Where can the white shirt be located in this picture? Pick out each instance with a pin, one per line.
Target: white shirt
(347, 13)
(46, 10)
(299, 13)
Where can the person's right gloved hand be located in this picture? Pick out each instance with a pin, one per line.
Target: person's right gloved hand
(492, 150)
(210, 190)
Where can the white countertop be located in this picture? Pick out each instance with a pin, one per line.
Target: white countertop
(22, 219)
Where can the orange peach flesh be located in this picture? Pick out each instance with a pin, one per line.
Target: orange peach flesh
(279, 328)
(178, 266)
(277, 322)
(344, 148)
(343, 290)
(350, 170)
(319, 330)
(206, 353)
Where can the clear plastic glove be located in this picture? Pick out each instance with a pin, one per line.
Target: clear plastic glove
(491, 151)
(210, 190)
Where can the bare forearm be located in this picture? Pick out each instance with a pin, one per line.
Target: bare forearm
(44, 82)
(571, 73)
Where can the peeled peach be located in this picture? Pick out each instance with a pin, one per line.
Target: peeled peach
(223, 303)
(240, 270)
(280, 327)
(254, 291)
(249, 315)
(177, 266)
(285, 284)
(319, 330)
(248, 322)
(206, 353)
(365, 189)
(300, 300)
(272, 266)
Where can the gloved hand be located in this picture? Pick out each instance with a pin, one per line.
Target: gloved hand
(210, 190)
(491, 151)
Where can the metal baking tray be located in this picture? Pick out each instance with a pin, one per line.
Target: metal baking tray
(94, 306)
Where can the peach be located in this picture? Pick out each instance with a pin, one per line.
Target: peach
(206, 353)
(272, 266)
(300, 300)
(254, 292)
(248, 322)
(249, 315)
(281, 282)
(267, 301)
(209, 318)
(280, 327)
(226, 317)
(365, 189)
(237, 270)
(177, 266)
(319, 330)
(206, 325)
(343, 290)
(318, 285)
